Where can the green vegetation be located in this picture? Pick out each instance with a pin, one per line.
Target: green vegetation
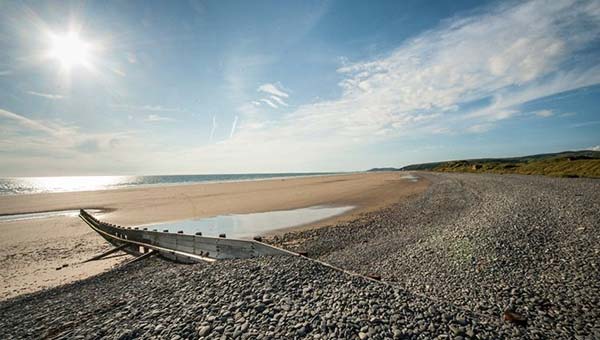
(564, 164)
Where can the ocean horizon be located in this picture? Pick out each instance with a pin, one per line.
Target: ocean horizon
(52, 184)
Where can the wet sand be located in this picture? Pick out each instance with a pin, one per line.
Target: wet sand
(32, 250)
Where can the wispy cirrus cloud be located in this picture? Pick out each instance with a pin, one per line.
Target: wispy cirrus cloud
(268, 102)
(51, 96)
(275, 96)
(27, 122)
(272, 89)
(278, 100)
(213, 128)
(34, 139)
(499, 55)
(233, 126)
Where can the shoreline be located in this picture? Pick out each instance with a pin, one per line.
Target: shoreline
(158, 185)
(33, 250)
(236, 197)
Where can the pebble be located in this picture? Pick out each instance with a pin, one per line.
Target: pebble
(204, 331)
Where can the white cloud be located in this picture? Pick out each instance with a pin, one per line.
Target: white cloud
(272, 89)
(46, 95)
(5, 72)
(512, 55)
(274, 100)
(594, 148)
(213, 128)
(233, 126)
(268, 102)
(158, 118)
(279, 101)
(544, 113)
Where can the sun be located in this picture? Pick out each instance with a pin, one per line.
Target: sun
(70, 50)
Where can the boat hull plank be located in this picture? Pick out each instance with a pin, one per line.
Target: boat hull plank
(179, 247)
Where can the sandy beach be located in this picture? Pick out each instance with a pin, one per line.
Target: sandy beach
(31, 251)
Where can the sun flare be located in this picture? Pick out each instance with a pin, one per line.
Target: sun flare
(70, 50)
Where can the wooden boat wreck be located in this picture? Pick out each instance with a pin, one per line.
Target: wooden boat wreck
(178, 246)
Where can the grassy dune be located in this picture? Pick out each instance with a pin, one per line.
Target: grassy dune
(565, 164)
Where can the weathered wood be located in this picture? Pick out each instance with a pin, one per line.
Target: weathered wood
(141, 257)
(106, 253)
(178, 246)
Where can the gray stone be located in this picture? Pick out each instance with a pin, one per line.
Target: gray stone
(204, 331)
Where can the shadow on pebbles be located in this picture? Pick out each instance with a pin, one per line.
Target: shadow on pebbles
(277, 297)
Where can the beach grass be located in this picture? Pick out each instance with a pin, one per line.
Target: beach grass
(557, 167)
(584, 163)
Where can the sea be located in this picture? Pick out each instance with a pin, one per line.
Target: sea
(36, 185)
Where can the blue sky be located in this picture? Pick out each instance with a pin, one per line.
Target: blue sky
(271, 86)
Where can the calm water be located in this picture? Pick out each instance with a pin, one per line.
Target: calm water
(33, 185)
(249, 225)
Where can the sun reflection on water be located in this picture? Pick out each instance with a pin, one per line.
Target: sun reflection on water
(34, 185)
(73, 183)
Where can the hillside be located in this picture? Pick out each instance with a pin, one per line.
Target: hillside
(563, 164)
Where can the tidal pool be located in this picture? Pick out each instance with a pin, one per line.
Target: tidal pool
(249, 225)
(410, 178)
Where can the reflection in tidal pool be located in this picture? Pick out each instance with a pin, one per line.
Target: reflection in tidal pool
(249, 225)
